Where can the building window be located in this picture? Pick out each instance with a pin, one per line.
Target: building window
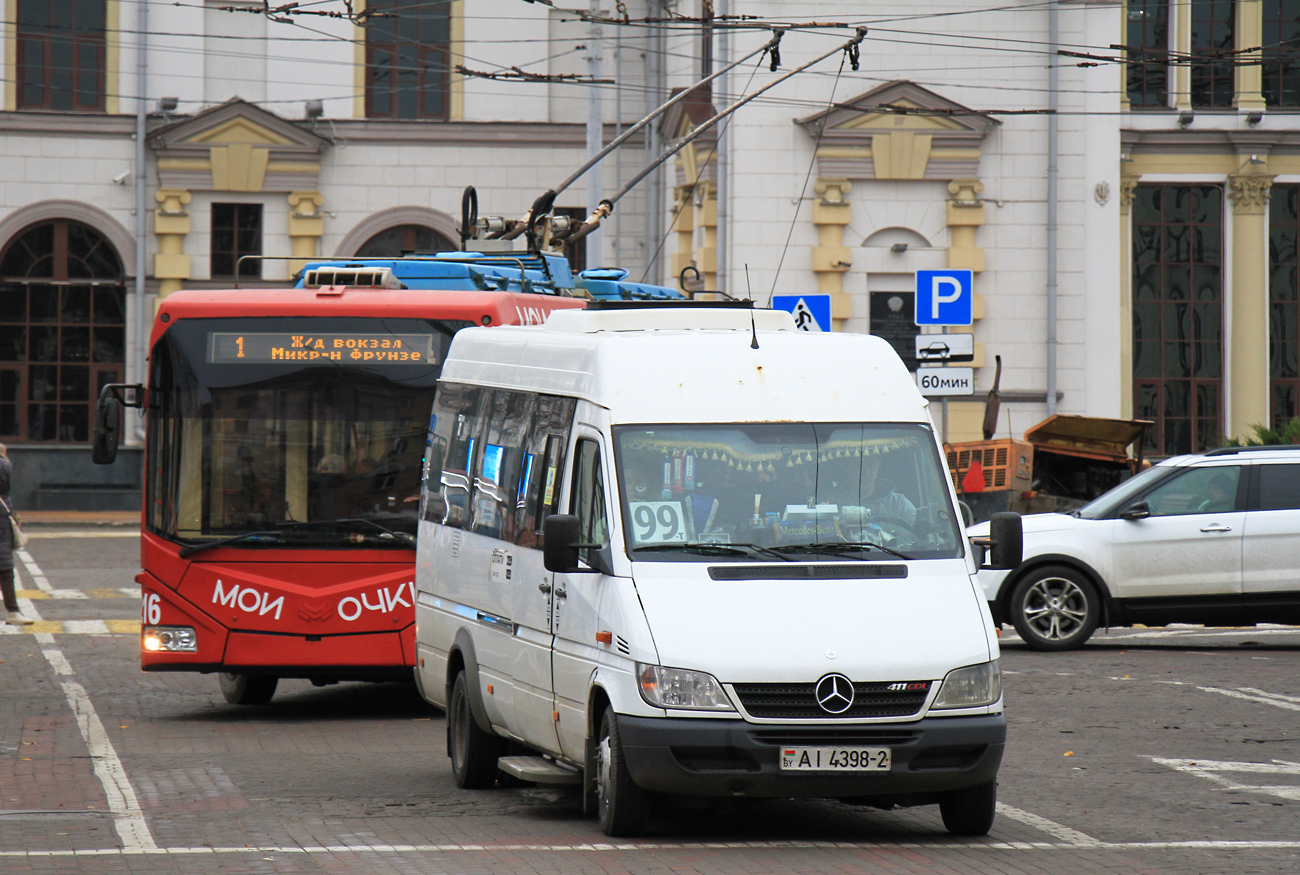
(392, 242)
(1281, 60)
(1178, 315)
(236, 232)
(62, 331)
(1284, 304)
(60, 54)
(1212, 46)
(1147, 37)
(407, 59)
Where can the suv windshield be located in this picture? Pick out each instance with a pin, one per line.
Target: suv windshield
(1108, 503)
(249, 434)
(819, 490)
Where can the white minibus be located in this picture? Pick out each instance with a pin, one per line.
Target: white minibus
(686, 549)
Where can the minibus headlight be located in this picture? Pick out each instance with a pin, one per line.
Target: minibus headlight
(173, 639)
(971, 686)
(680, 688)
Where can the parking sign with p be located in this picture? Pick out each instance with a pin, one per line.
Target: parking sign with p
(945, 297)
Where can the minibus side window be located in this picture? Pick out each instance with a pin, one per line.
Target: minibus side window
(500, 465)
(456, 426)
(589, 496)
(543, 466)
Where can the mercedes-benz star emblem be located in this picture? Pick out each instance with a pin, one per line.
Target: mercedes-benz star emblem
(834, 693)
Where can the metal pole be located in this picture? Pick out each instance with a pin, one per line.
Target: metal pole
(653, 145)
(595, 132)
(722, 165)
(944, 405)
(135, 363)
(1053, 172)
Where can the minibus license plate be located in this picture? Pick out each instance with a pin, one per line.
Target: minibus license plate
(835, 759)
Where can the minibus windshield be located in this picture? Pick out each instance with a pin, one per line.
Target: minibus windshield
(774, 491)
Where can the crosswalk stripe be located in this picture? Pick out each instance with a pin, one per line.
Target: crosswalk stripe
(101, 593)
(75, 627)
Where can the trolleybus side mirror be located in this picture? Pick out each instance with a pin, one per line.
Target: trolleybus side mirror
(108, 426)
(560, 545)
(1004, 546)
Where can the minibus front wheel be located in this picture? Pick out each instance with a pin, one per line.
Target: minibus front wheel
(620, 803)
(970, 812)
(474, 753)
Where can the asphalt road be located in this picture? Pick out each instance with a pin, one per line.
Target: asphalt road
(1149, 751)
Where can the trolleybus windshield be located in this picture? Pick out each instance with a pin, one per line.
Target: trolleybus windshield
(291, 431)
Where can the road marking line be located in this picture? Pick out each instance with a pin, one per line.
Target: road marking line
(601, 848)
(1270, 695)
(1208, 770)
(38, 576)
(1263, 699)
(128, 818)
(1052, 828)
(85, 627)
(114, 593)
(130, 533)
(73, 627)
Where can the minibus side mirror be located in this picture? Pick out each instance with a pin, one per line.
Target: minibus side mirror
(560, 545)
(1005, 545)
(1139, 511)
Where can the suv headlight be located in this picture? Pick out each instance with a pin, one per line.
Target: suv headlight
(680, 688)
(970, 687)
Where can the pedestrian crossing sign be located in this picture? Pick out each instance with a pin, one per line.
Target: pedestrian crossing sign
(810, 312)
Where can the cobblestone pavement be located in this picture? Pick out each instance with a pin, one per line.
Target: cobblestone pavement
(1172, 751)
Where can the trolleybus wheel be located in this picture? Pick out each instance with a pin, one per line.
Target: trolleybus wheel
(621, 804)
(474, 753)
(242, 689)
(969, 812)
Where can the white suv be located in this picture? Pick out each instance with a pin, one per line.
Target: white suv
(1211, 539)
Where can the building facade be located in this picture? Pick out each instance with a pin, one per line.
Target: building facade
(1124, 180)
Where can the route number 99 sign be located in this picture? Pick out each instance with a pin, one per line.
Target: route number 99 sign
(658, 522)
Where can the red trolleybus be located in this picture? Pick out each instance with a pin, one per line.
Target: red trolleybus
(285, 439)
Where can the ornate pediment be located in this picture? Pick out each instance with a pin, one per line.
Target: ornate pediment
(237, 146)
(899, 130)
(680, 121)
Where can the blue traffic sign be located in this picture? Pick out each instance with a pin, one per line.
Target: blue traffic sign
(810, 312)
(945, 297)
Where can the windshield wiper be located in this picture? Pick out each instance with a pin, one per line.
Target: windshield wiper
(842, 547)
(406, 538)
(191, 549)
(707, 548)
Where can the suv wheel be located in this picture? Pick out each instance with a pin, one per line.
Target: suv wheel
(1055, 608)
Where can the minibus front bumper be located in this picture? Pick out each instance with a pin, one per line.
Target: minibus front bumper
(709, 757)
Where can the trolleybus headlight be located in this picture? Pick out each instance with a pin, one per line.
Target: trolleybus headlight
(680, 688)
(169, 638)
(971, 686)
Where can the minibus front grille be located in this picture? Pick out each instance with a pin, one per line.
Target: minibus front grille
(871, 700)
(835, 735)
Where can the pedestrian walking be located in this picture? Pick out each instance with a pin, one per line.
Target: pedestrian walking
(14, 617)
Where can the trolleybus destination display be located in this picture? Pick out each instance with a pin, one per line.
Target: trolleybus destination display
(259, 347)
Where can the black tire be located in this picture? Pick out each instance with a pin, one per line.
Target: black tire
(242, 689)
(474, 753)
(970, 812)
(1054, 608)
(621, 805)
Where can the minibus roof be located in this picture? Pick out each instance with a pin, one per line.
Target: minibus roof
(665, 363)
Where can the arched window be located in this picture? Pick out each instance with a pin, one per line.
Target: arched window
(62, 330)
(392, 242)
